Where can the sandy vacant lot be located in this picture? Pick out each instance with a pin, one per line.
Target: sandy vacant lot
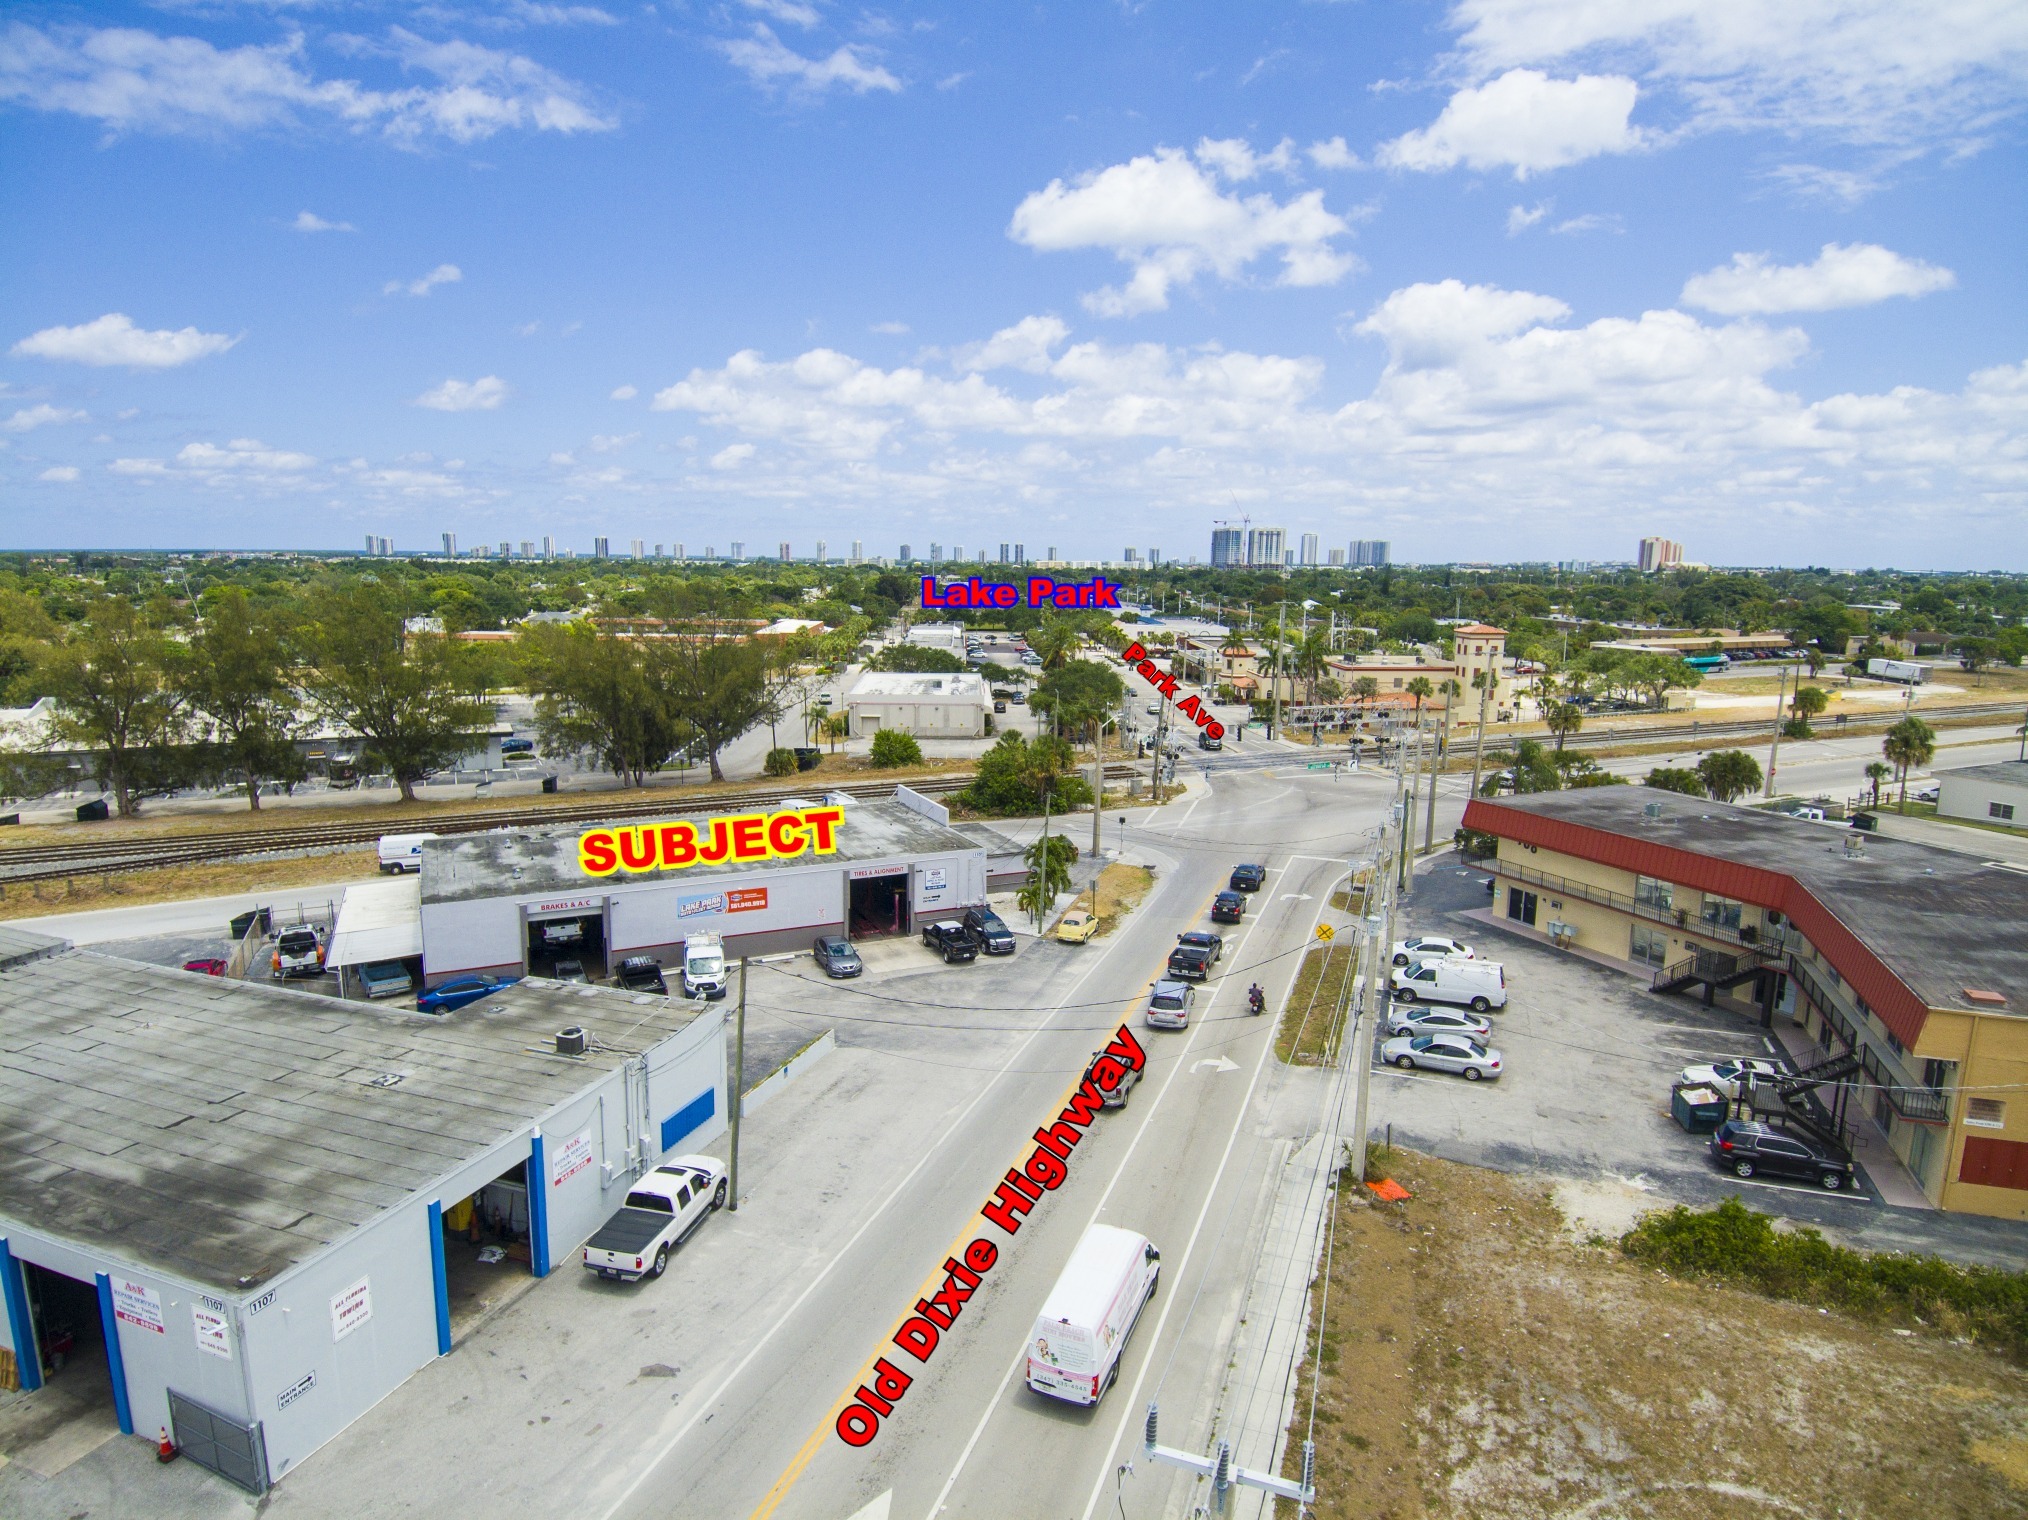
(1480, 1360)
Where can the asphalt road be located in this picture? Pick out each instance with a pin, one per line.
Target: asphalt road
(1179, 1164)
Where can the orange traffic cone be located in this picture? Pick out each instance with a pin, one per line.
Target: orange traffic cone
(165, 1449)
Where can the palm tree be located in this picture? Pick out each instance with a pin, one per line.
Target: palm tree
(1563, 720)
(1366, 689)
(1055, 641)
(1420, 688)
(1876, 772)
(1910, 742)
(1312, 658)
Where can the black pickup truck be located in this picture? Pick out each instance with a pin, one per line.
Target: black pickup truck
(952, 940)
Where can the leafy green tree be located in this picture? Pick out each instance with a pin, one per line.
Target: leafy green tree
(27, 634)
(1079, 695)
(1017, 774)
(1563, 719)
(118, 698)
(1975, 653)
(896, 746)
(1056, 641)
(1366, 688)
(237, 679)
(720, 688)
(1729, 773)
(1656, 674)
(1808, 702)
(1666, 778)
(1049, 861)
(412, 698)
(780, 762)
(1910, 743)
(916, 657)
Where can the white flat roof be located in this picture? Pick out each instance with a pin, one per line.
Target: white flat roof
(378, 921)
(917, 686)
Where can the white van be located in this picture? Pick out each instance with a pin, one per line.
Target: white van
(1479, 985)
(704, 966)
(401, 852)
(1074, 1351)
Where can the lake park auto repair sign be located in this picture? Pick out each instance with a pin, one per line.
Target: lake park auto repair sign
(684, 842)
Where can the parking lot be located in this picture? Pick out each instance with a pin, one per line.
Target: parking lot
(1589, 1053)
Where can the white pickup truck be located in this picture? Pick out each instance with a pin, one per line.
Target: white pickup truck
(660, 1212)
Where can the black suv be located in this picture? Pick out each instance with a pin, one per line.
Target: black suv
(991, 931)
(1228, 908)
(1747, 1147)
(1190, 963)
(640, 973)
(952, 940)
(1248, 878)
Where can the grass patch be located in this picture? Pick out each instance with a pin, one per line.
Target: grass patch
(1309, 1030)
(1733, 1244)
(1120, 890)
(224, 878)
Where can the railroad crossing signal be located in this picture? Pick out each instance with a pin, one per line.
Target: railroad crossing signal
(1326, 933)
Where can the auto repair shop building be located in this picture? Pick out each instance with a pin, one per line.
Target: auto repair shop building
(260, 1212)
(510, 902)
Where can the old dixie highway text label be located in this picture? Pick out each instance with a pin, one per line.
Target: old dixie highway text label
(742, 836)
(1043, 1172)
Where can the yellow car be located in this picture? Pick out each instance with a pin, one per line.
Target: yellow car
(1076, 927)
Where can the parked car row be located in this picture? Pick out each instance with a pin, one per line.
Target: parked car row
(1436, 969)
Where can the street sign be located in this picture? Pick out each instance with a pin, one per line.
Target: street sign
(1318, 765)
(1326, 933)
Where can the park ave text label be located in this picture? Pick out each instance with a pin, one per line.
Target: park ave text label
(1044, 1171)
(1137, 657)
(1042, 592)
(742, 836)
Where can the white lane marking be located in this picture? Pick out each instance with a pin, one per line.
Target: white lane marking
(1147, 1120)
(706, 1405)
(877, 1510)
(1783, 1187)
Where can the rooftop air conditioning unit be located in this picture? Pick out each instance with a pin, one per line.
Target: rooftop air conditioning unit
(1651, 811)
(571, 1041)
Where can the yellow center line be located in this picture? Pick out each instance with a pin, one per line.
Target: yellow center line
(807, 1452)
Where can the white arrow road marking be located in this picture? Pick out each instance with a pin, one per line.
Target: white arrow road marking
(1216, 1063)
(877, 1510)
(1295, 897)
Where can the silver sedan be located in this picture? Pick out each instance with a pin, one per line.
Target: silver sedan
(1443, 1052)
(1413, 1019)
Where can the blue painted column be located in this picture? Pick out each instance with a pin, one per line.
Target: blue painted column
(27, 1358)
(441, 1279)
(538, 1206)
(109, 1322)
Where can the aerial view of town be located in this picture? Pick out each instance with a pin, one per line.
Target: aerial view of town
(796, 761)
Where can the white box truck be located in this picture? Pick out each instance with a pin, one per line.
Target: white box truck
(1907, 672)
(401, 852)
(704, 966)
(1074, 1351)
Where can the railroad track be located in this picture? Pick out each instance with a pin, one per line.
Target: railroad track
(98, 857)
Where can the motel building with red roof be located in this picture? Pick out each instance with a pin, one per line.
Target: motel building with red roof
(1911, 960)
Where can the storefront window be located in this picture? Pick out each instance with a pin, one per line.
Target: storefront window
(1721, 912)
(1656, 894)
(1648, 946)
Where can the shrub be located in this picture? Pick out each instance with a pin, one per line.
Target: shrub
(1736, 1245)
(892, 747)
(780, 762)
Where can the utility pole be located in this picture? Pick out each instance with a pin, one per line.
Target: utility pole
(738, 1084)
(1479, 744)
(1275, 680)
(1774, 743)
(1042, 878)
(1377, 919)
(1405, 808)
(1155, 776)
(1098, 802)
(1436, 765)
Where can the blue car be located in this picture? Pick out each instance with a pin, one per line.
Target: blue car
(447, 997)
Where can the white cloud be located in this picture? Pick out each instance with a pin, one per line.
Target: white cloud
(1591, 221)
(61, 474)
(114, 339)
(443, 274)
(1233, 158)
(1854, 274)
(133, 80)
(624, 393)
(605, 443)
(1333, 154)
(242, 454)
(535, 14)
(1164, 215)
(309, 221)
(41, 414)
(1871, 71)
(794, 12)
(1526, 120)
(138, 467)
(1028, 344)
(563, 459)
(891, 329)
(1521, 218)
(482, 395)
(767, 61)
(732, 456)
(1428, 326)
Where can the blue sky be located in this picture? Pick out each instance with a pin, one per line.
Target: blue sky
(1504, 279)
